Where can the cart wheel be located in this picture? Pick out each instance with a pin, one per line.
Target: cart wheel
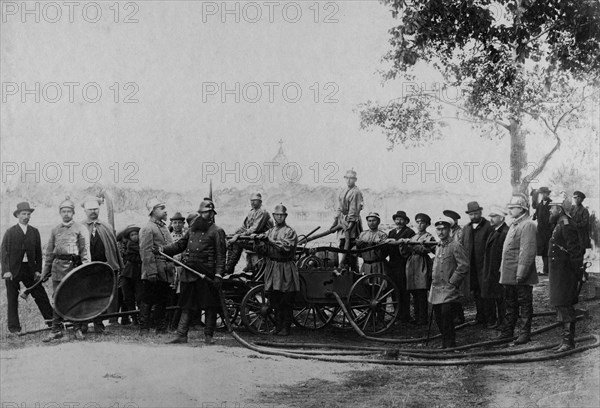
(314, 317)
(339, 320)
(233, 311)
(256, 311)
(373, 303)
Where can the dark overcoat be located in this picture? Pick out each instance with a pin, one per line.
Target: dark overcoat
(491, 287)
(544, 226)
(474, 240)
(565, 264)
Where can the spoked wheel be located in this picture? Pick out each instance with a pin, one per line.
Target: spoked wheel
(233, 311)
(256, 311)
(373, 303)
(339, 320)
(313, 317)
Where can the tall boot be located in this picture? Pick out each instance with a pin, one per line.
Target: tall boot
(145, 310)
(210, 316)
(160, 314)
(233, 257)
(183, 328)
(546, 265)
(526, 303)
(568, 338)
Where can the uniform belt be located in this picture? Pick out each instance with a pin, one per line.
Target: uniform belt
(372, 262)
(66, 257)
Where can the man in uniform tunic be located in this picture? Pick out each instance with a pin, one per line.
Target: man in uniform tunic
(22, 262)
(398, 261)
(103, 248)
(566, 270)
(68, 247)
(347, 217)
(157, 273)
(544, 227)
(450, 267)
(282, 281)
(206, 247)
(580, 218)
(257, 221)
(177, 223)
(456, 233)
(517, 270)
(374, 259)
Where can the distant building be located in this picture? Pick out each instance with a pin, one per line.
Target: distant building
(279, 171)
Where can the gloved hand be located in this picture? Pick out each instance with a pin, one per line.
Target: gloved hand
(156, 250)
(37, 276)
(7, 275)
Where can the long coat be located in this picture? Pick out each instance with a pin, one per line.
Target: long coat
(518, 253)
(491, 287)
(565, 263)
(473, 240)
(155, 233)
(580, 219)
(419, 264)
(397, 264)
(15, 245)
(544, 226)
(450, 267)
(374, 259)
(281, 272)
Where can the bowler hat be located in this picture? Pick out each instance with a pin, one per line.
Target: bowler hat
(544, 190)
(400, 214)
(446, 221)
(177, 216)
(24, 206)
(473, 206)
(452, 214)
(424, 217)
(206, 206)
(579, 194)
(373, 215)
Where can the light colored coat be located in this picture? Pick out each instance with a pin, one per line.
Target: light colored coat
(450, 267)
(518, 253)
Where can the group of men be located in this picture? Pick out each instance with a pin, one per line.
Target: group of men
(486, 260)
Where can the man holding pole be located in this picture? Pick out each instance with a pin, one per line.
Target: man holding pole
(206, 246)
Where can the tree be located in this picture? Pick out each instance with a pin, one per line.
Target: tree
(518, 64)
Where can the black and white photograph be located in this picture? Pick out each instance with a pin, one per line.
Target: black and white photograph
(300, 204)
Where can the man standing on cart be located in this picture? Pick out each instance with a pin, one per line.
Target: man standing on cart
(347, 217)
(282, 281)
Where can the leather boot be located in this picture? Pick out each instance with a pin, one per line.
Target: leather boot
(160, 314)
(568, 338)
(145, 310)
(182, 328)
(233, 257)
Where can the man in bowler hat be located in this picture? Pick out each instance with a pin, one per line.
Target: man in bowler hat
(397, 264)
(22, 262)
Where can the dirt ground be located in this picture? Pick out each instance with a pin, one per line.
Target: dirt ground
(123, 370)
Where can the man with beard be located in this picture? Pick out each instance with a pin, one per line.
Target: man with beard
(544, 227)
(206, 246)
(257, 221)
(347, 217)
(157, 273)
(475, 235)
(491, 289)
(566, 270)
(103, 248)
(450, 267)
(282, 281)
(397, 265)
(517, 270)
(22, 262)
(68, 247)
(580, 218)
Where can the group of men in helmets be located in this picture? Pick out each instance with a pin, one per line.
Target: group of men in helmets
(486, 259)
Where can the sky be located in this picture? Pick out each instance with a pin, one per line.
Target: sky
(167, 94)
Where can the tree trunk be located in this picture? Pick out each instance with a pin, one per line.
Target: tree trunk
(518, 158)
